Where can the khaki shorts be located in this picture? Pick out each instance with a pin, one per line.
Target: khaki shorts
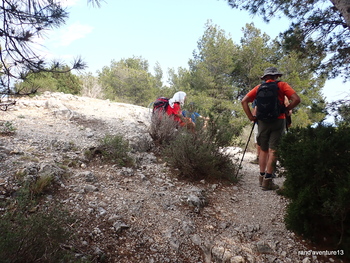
(269, 134)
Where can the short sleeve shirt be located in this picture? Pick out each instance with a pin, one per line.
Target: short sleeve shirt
(284, 90)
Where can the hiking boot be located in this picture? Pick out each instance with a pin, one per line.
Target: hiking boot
(261, 179)
(274, 186)
(267, 185)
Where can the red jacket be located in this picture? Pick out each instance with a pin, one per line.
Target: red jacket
(174, 111)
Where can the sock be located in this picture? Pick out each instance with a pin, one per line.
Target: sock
(268, 175)
(262, 174)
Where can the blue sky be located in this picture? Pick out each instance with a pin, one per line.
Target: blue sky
(161, 31)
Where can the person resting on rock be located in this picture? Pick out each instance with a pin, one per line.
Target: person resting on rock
(174, 110)
(191, 113)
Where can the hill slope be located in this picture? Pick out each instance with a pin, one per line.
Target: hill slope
(144, 214)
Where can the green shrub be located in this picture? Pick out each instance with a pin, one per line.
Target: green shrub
(35, 186)
(42, 184)
(32, 229)
(222, 129)
(35, 237)
(318, 183)
(114, 149)
(7, 128)
(54, 79)
(199, 155)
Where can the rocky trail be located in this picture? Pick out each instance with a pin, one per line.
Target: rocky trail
(146, 213)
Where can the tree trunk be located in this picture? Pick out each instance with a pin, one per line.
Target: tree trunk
(344, 8)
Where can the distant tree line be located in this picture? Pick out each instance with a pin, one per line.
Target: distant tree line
(220, 73)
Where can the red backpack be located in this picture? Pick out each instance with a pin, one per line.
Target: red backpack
(161, 104)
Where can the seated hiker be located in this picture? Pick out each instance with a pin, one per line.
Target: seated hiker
(174, 109)
(191, 113)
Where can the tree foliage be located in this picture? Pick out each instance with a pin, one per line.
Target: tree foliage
(91, 86)
(179, 79)
(54, 79)
(340, 110)
(212, 63)
(129, 80)
(317, 27)
(258, 51)
(23, 22)
(222, 72)
(255, 53)
(317, 183)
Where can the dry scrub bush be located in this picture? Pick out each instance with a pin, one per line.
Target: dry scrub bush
(163, 128)
(198, 155)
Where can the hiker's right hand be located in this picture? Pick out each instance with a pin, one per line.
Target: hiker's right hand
(288, 113)
(253, 119)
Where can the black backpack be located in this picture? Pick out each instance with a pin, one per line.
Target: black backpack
(161, 104)
(268, 105)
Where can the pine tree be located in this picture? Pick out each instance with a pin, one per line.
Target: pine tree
(316, 27)
(22, 22)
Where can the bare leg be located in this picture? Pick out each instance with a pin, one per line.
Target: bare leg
(257, 151)
(271, 161)
(263, 159)
(267, 183)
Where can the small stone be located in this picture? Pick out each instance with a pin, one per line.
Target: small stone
(196, 239)
(119, 226)
(90, 188)
(102, 211)
(237, 259)
(263, 248)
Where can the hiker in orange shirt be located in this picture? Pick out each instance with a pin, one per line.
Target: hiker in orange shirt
(271, 130)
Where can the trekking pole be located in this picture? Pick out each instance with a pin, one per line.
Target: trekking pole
(245, 150)
(288, 122)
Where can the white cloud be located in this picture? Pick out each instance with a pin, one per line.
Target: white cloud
(74, 32)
